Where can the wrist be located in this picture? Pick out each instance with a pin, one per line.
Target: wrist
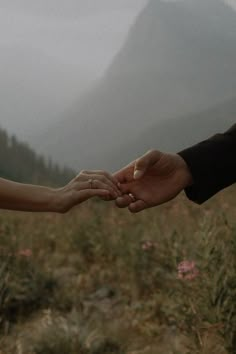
(187, 175)
(58, 200)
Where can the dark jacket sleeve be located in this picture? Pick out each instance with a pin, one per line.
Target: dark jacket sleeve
(212, 164)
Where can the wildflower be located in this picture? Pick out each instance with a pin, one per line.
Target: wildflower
(25, 253)
(148, 245)
(187, 270)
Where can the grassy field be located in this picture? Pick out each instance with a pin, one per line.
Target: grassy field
(101, 281)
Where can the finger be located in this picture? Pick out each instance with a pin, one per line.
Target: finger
(126, 188)
(90, 193)
(145, 162)
(124, 201)
(103, 173)
(125, 174)
(137, 206)
(96, 184)
(102, 179)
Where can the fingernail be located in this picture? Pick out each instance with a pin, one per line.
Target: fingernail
(138, 174)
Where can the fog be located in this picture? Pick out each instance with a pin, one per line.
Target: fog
(174, 76)
(52, 51)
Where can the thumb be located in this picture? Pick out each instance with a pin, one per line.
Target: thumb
(145, 162)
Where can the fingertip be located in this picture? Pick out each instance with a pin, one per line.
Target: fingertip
(117, 204)
(132, 208)
(138, 174)
(120, 203)
(137, 206)
(123, 202)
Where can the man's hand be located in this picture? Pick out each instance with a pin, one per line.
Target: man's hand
(152, 180)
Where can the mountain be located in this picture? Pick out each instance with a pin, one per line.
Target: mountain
(178, 60)
(177, 134)
(20, 163)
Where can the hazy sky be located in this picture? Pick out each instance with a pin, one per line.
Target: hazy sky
(232, 3)
(82, 33)
(51, 50)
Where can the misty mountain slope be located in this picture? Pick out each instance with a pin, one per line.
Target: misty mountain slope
(178, 134)
(179, 58)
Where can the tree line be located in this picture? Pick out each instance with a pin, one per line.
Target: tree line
(19, 162)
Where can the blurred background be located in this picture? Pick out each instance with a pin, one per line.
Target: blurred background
(79, 77)
(93, 84)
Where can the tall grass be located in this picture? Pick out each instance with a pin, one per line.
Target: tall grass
(100, 280)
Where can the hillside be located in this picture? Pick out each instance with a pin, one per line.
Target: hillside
(177, 134)
(178, 60)
(20, 163)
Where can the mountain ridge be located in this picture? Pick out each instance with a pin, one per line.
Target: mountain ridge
(179, 58)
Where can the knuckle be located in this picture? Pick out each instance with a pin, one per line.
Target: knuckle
(103, 179)
(107, 174)
(152, 152)
(95, 183)
(77, 179)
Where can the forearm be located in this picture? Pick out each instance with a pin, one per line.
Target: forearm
(212, 164)
(23, 197)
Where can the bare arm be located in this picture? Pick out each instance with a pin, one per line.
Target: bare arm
(25, 197)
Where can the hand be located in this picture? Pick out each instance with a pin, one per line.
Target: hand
(86, 185)
(152, 180)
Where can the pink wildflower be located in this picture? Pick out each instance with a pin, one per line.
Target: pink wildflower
(187, 270)
(25, 253)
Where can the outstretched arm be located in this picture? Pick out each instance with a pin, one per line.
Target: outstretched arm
(88, 184)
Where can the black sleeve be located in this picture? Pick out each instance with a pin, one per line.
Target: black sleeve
(212, 164)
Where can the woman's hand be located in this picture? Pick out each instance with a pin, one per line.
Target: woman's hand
(86, 185)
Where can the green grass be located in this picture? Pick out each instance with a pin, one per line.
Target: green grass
(90, 287)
